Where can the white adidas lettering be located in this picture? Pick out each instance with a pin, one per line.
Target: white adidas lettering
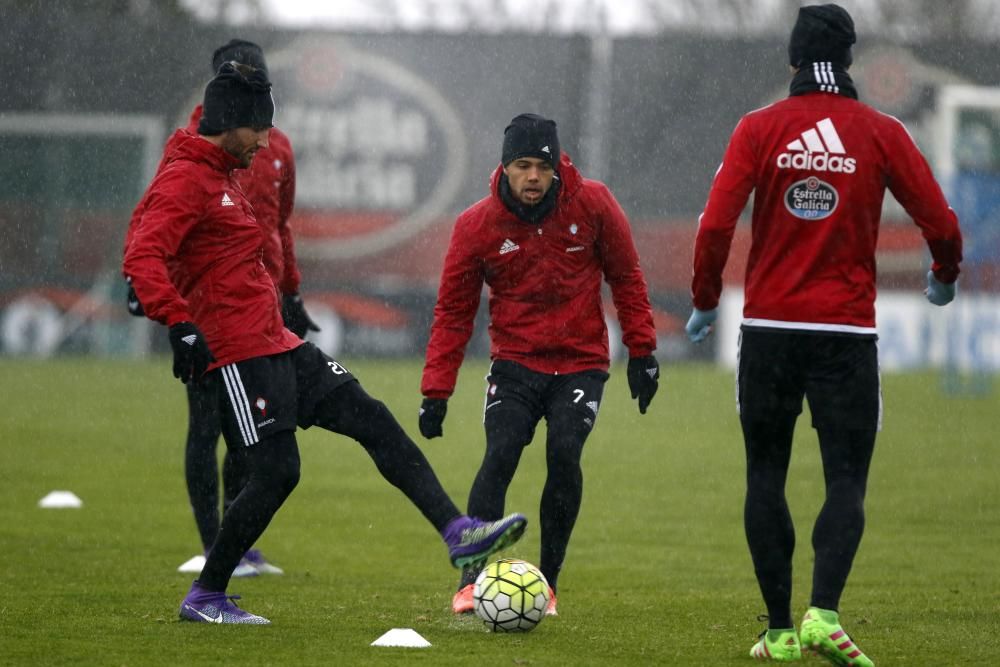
(226, 201)
(818, 149)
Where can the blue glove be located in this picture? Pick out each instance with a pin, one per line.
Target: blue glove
(939, 293)
(700, 324)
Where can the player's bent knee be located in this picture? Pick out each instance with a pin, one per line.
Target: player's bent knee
(287, 476)
(564, 459)
(570, 428)
(276, 463)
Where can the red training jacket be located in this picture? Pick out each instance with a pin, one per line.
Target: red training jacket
(196, 255)
(545, 284)
(819, 165)
(269, 184)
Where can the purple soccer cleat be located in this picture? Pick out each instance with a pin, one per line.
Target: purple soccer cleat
(203, 606)
(471, 541)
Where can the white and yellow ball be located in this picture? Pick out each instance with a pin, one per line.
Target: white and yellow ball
(511, 596)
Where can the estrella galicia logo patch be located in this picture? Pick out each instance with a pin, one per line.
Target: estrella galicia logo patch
(811, 199)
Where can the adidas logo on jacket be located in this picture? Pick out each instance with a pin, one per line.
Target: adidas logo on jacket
(818, 149)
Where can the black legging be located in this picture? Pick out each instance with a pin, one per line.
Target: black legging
(846, 460)
(201, 468)
(273, 472)
(770, 533)
(563, 491)
(350, 411)
(506, 439)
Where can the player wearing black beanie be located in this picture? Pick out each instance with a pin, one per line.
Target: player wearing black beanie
(818, 165)
(544, 240)
(269, 184)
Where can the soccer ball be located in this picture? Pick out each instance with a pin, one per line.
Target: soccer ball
(511, 596)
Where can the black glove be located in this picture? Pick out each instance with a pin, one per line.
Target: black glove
(293, 311)
(643, 379)
(191, 353)
(134, 307)
(432, 412)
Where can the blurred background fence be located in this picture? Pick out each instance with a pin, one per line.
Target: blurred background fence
(397, 122)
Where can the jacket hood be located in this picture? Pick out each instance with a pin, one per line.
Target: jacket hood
(186, 145)
(194, 119)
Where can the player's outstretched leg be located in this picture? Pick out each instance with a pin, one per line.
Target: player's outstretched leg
(471, 541)
(350, 411)
(204, 606)
(778, 645)
(821, 633)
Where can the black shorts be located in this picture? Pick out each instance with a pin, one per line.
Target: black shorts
(837, 373)
(266, 395)
(513, 387)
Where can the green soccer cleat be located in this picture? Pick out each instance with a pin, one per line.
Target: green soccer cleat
(822, 634)
(777, 645)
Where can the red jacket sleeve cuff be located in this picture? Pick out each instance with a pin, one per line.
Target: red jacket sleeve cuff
(177, 318)
(437, 394)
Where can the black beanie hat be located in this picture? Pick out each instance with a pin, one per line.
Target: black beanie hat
(233, 99)
(530, 135)
(241, 51)
(822, 33)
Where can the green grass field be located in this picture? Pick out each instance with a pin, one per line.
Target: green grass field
(657, 573)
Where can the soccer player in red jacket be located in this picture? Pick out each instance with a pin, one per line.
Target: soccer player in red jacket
(195, 261)
(542, 241)
(819, 163)
(269, 184)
